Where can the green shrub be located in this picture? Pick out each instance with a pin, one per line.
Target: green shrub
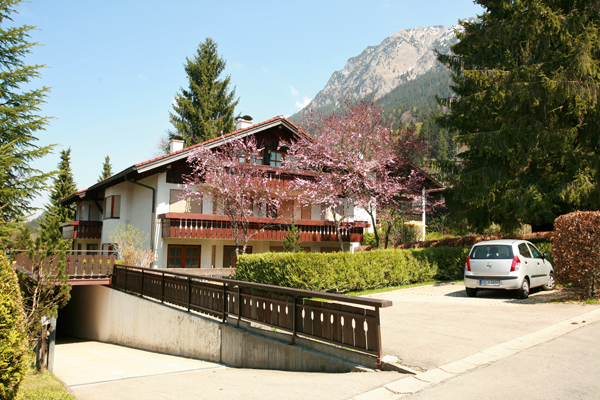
(368, 239)
(343, 272)
(14, 355)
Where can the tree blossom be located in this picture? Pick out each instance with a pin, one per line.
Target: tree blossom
(230, 177)
(355, 160)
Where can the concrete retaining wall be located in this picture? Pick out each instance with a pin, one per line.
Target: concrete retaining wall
(108, 315)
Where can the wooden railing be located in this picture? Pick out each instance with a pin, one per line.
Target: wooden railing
(82, 230)
(215, 228)
(87, 265)
(349, 322)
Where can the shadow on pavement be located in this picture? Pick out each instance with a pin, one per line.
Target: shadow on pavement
(536, 296)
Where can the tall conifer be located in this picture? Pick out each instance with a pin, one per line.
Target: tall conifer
(527, 82)
(55, 213)
(206, 108)
(19, 182)
(106, 170)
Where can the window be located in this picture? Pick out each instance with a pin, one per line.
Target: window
(275, 158)
(256, 160)
(184, 256)
(92, 247)
(536, 253)
(524, 250)
(229, 258)
(112, 207)
(499, 252)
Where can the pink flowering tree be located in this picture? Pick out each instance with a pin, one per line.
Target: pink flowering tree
(230, 177)
(355, 160)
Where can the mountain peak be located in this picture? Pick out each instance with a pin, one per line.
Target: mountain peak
(400, 58)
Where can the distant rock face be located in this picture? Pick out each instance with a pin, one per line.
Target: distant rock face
(400, 58)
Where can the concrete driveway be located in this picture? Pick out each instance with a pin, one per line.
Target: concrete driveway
(433, 325)
(460, 345)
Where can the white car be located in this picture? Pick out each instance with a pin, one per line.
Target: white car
(508, 264)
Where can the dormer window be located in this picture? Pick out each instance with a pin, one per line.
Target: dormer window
(275, 158)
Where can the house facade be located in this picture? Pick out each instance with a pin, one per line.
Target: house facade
(188, 234)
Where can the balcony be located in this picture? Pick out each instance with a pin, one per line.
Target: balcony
(82, 230)
(207, 226)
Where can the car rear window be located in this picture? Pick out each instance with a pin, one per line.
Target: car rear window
(498, 252)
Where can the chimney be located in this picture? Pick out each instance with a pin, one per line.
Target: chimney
(243, 122)
(175, 144)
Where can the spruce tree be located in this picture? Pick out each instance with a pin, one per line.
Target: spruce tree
(19, 182)
(527, 78)
(206, 108)
(106, 170)
(56, 213)
(291, 242)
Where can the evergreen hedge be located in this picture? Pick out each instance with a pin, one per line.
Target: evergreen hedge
(343, 272)
(14, 355)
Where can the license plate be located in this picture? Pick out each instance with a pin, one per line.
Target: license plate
(489, 283)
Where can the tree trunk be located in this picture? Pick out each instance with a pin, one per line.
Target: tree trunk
(374, 229)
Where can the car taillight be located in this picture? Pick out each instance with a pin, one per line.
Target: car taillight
(516, 264)
(468, 264)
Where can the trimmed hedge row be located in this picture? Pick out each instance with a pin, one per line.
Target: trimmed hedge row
(343, 272)
(577, 251)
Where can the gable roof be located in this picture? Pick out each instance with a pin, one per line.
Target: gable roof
(148, 166)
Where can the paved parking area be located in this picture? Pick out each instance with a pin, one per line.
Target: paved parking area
(433, 325)
(453, 339)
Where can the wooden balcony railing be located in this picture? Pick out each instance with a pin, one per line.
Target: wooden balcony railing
(219, 227)
(88, 267)
(82, 230)
(345, 321)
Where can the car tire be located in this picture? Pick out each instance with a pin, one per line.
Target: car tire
(551, 285)
(523, 293)
(471, 292)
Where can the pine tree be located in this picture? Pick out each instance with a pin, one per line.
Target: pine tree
(56, 213)
(206, 108)
(526, 78)
(291, 242)
(106, 170)
(19, 182)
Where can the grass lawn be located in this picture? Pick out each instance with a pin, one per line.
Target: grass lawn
(390, 288)
(44, 386)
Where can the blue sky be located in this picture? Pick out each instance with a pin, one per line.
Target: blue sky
(115, 66)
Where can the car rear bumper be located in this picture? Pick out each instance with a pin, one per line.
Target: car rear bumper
(509, 282)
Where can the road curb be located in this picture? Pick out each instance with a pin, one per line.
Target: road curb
(410, 385)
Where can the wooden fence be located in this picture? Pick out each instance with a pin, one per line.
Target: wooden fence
(346, 321)
(78, 265)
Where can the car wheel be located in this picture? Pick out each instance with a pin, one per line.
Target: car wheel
(551, 285)
(523, 293)
(471, 292)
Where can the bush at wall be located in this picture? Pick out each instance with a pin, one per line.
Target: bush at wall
(14, 354)
(576, 250)
(343, 272)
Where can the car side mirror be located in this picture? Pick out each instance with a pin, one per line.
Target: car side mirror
(545, 255)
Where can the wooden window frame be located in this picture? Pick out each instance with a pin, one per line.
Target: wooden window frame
(272, 160)
(183, 256)
(112, 207)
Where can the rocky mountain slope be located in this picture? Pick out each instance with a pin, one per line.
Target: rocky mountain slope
(403, 57)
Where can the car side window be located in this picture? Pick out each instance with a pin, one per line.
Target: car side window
(536, 253)
(524, 250)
